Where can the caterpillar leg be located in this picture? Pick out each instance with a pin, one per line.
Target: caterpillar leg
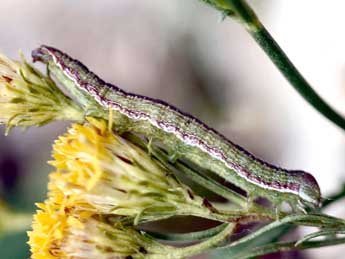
(250, 201)
(297, 207)
(110, 119)
(150, 146)
(174, 156)
(278, 209)
(300, 207)
(48, 72)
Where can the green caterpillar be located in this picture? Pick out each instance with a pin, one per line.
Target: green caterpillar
(186, 135)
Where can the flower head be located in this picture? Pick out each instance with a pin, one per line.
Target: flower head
(27, 97)
(103, 170)
(60, 229)
(103, 240)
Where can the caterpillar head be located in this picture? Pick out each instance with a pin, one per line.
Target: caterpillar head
(42, 54)
(309, 190)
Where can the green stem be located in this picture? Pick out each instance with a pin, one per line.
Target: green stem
(283, 230)
(206, 245)
(334, 198)
(192, 236)
(247, 246)
(272, 49)
(288, 246)
(305, 220)
(247, 16)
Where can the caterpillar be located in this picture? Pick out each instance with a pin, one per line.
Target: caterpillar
(182, 134)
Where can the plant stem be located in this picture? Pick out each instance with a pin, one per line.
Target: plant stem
(256, 242)
(306, 220)
(272, 49)
(191, 236)
(334, 198)
(206, 245)
(288, 246)
(283, 230)
(253, 25)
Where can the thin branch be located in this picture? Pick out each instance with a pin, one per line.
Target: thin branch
(245, 14)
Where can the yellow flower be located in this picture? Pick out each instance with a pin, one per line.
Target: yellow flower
(100, 168)
(104, 240)
(28, 98)
(48, 228)
(57, 214)
(63, 232)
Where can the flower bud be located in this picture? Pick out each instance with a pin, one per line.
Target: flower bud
(63, 232)
(27, 97)
(102, 169)
(61, 229)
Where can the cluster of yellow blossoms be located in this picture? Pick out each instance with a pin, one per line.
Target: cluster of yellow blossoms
(102, 183)
(62, 230)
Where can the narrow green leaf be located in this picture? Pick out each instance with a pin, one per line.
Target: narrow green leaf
(264, 234)
(320, 233)
(193, 236)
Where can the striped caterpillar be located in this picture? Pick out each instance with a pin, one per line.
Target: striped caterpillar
(182, 133)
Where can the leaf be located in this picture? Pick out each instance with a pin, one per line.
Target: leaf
(193, 236)
(320, 233)
(255, 241)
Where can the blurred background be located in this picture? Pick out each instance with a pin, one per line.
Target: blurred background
(182, 52)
